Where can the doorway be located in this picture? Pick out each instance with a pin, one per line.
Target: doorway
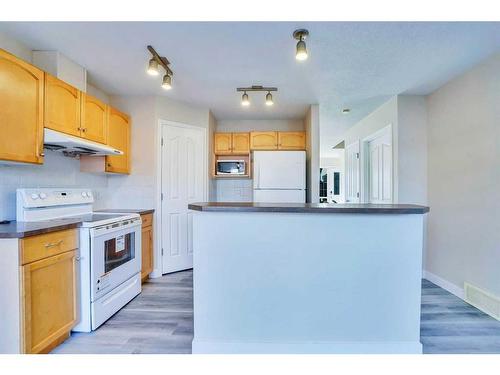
(184, 179)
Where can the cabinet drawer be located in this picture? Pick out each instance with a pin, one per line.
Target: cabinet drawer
(147, 220)
(46, 245)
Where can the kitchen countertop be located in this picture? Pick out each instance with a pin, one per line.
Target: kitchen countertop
(16, 229)
(26, 229)
(140, 211)
(310, 208)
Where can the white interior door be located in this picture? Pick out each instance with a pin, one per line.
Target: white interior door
(183, 181)
(352, 173)
(380, 169)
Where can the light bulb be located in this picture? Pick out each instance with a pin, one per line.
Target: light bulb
(269, 99)
(167, 82)
(153, 67)
(244, 100)
(301, 53)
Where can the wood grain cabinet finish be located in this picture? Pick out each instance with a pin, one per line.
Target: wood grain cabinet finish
(291, 140)
(223, 143)
(48, 291)
(94, 119)
(147, 245)
(118, 138)
(62, 106)
(21, 110)
(240, 143)
(264, 140)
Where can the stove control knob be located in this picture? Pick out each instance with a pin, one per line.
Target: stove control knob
(84, 194)
(34, 196)
(43, 195)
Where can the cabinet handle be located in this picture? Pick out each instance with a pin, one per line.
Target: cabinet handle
(53, 244)
(84, 130)
(79, 129)
(42, 154)
(109, 164)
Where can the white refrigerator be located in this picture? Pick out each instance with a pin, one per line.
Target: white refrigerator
(279, 176)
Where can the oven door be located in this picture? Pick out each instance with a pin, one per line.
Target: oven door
(115, 256)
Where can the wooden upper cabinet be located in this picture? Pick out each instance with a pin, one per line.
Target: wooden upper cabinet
(240, 143)
(21, 110)
(94, 119)
(291, 140)
(118, 138)
(62, 106)
(264, 140)
(222, 143)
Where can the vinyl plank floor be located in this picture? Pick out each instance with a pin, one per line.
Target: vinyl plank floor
(160, 321)
(157, 321)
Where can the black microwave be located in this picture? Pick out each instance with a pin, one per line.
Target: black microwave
(231, 167)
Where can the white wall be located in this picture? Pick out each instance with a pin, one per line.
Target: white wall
(311, 124)
(408, 116)
(241, 190)
(57, 170)
(412, 149)
(464, 179)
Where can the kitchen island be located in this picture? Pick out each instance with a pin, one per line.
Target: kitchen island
(307, 278)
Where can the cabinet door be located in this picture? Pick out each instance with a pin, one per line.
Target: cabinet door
(222, 143)
(21, 110)
(62, 106)
(263, 140)
(94, 125)
(48, 290)
(147, 252)
(291, 140)
(241, 143)
(118, 138)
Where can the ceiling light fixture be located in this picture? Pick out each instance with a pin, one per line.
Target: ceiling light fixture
(301, 50)
(153, 68)
(245, 101)
(167, 82)
(346, 111)
(269, 99)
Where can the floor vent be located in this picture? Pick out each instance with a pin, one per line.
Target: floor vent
(484, 301)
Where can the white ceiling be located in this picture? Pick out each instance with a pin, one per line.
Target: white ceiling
(352, 64)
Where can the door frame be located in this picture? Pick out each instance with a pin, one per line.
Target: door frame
(364, 160)
(158, 233)
(358, 144)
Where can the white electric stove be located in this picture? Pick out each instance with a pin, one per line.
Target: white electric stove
(110, 249)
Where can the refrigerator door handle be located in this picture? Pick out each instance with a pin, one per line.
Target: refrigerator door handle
(257, 175)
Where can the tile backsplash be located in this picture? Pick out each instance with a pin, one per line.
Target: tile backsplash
(234, 190)
(57, 171)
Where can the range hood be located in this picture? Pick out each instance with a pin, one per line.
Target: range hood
(75, 146)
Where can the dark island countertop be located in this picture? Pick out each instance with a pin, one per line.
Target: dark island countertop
(16, 229)
(310, 208)
(140, 211)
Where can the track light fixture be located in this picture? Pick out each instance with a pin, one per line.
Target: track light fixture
(153, 68)
(301, 50)
(245, 101)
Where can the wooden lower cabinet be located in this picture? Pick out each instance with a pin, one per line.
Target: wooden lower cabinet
(48, 302)
(147, 245)
(46, 284)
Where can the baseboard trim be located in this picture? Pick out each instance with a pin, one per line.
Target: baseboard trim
(249, 347)
(445, 284)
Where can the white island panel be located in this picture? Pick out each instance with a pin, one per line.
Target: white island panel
(274, 282)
